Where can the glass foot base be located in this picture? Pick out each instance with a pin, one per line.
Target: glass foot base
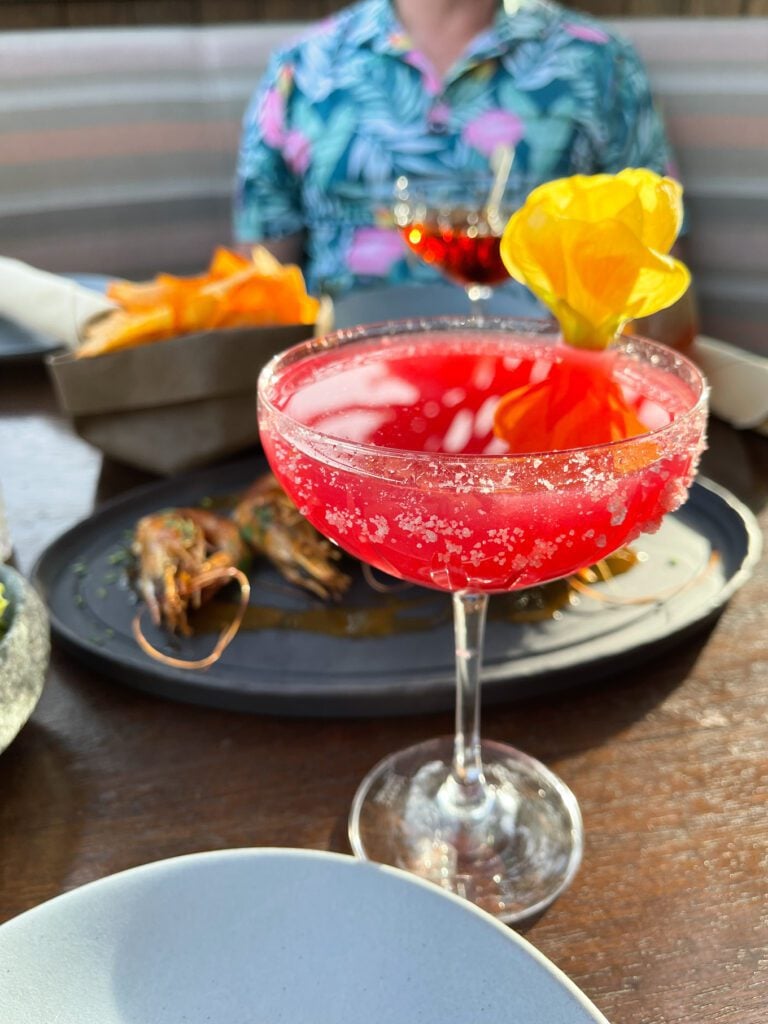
(512, 856)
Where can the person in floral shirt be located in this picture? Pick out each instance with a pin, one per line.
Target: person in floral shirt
(413, 87)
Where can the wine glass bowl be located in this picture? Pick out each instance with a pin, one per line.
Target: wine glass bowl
(455, 225)
(383, 436)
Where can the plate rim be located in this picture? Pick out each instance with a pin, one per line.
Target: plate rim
(343, 861)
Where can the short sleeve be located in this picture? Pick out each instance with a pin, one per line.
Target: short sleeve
(635, 135)
(267, 201)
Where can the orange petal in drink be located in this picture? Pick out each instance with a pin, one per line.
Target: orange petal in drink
(576, 404)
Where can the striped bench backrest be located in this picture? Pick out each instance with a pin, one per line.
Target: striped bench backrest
(117, 148)
(710, 77)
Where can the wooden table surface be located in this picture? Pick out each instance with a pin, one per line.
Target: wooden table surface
(667, 920)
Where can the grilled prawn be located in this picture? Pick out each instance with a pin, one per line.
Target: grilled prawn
(184, 555)
(272, 525)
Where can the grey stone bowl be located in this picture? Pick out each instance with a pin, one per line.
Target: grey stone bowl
(24, 653)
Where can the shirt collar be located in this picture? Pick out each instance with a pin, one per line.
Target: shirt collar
(376, 24)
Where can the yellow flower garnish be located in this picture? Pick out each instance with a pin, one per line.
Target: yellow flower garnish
(594, 249)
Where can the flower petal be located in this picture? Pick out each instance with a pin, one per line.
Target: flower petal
(662, 202)
(576, 404)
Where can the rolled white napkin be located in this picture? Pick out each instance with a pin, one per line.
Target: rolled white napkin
(739, 382)
(48, 303)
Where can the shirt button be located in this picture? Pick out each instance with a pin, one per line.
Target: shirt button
(439, 117)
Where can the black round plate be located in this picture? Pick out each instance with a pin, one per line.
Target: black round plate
(692, 565)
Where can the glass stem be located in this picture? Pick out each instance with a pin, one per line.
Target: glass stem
(467, 789)
(478, 295)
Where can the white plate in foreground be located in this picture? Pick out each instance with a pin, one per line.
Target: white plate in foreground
(273, 937)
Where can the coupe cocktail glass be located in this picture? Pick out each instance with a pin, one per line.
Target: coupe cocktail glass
(383, 437)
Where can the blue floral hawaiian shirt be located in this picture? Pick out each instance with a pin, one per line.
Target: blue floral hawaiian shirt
(353, 105)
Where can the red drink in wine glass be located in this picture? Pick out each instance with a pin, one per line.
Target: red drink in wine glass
(467, 254)
(454, 225)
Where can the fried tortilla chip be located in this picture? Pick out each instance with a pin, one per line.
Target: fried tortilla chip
(235, 291)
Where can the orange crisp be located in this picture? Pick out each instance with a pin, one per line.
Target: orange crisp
(235, 291)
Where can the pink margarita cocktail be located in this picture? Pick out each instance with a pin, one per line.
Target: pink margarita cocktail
(383, 436)
(387, 447)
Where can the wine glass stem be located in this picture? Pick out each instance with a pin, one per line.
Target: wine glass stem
(478, 295)
(467, 790)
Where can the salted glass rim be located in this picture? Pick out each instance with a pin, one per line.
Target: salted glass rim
(529, 328)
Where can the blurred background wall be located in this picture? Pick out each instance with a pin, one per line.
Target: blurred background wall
(22, 14)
